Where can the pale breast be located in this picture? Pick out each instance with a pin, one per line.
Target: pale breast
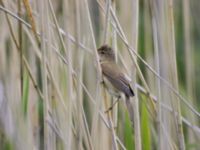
(117, 78)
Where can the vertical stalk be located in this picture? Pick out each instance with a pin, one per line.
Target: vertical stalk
(189, 63)
(159, 35)
(114, 45)
(108, 4)
(80, 57)
(44, 31)
(171, 37)
(109, 116)
(69, 78)
(95, 118)
(158, 84)
(20, 46)
(135, 22)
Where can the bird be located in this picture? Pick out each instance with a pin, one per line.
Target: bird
(115, 78)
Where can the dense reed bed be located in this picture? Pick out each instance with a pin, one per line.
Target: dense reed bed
(51, 91)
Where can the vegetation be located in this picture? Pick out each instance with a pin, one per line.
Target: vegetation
(51, 91)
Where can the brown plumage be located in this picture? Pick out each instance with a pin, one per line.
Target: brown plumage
(114, 74)
(117, 78)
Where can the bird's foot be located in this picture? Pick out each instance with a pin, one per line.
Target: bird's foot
(111, 107)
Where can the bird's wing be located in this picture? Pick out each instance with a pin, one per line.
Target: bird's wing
(117, 78)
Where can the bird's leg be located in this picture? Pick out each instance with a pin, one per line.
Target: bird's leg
(111, 107)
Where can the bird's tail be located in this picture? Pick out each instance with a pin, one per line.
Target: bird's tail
(130, 110)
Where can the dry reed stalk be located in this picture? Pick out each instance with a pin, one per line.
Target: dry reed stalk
(157, 60)
(99, 78)
(79, 101)
(189, 63)
(135, 103)
(114, 45)
(44, 50)
(171, 38)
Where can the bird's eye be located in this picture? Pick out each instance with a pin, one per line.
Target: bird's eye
(102, 52)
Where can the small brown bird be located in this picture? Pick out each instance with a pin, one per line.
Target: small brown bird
(113, 72)
(115, 76)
